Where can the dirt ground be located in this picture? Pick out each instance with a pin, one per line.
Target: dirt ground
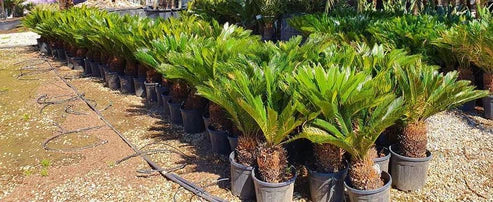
(29, 172)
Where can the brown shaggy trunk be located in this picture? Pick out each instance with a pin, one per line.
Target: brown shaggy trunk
(412, 142)
(166, 82)
(268, 31)
(116, 64)
(81, 52)
(179, 91)
(272, 164)
(391, 134)
(218, 118)
(153, 76)
(488, 81)
(96, 56)
(363, 175)
(103, 58)
(466, 74)
(328, 158)
(246, 150)
(130, 68)
(194, 101)
(142, 70)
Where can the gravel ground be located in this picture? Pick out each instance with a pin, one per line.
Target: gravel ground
(461, 168)
(18, 39)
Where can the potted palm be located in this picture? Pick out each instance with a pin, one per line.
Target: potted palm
(426, 92)
(349, 121)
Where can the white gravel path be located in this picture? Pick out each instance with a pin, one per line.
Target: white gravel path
(18, 39)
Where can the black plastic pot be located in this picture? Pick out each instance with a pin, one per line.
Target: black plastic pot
(327, 186)
(381, 194)
(126, 84)
(77, 63)
(67, 57)
(241, 179)
(166, 97)
(44, 48)
(207, 119)
(192, 120)
(408, 173)
(219, 141)
(61, 54)
(468, 106)
(151, 95)
(233, 141)
(139, 87)
(383, 162)
(488, 106)
(159, 91)
(286, 30)
(112, 80)
(268, 192)
(175, 113)
(87, 66)
(95, 69)
(102, 69)
(56, 53)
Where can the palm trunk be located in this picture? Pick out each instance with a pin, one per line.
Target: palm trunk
(246, 150)
(130, 68)
(272, 164)
(218, 118)
(328, 158)
(413, 140)
(488, 81)
(363, 175)
(194, 101)
(179, 91)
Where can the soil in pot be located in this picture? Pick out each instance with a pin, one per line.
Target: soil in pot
(192, 120)
(126, 84)
(268, 192)
(219, 141)
(408, 173)
(381, 194)
(175, 113)
(241, 179)
(166, 97)
(139, 87)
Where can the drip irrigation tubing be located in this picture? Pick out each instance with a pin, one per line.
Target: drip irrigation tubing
(167, 174)
(101, 142)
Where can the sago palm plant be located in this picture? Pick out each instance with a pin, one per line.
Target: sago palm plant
(427, 92)
(354, 111)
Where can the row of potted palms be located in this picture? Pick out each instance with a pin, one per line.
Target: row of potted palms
(340, 96)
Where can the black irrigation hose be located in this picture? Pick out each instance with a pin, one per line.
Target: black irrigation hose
(45, 143)
(171, 176)
(207, 185)
(43, 101)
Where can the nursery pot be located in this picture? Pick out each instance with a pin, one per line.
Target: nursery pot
(175, 113)
(233, 141)
(381, 194)
(95, 69)
(383, 162)
(151, 95)
(139, 87)
(102, 69)
(327, 186)
(207, 119)
(159, 91)
(408, 173)
(87, 66)
(219, 141)
(488, 106)
(166, 97)
(241, 179)
(67, 57)
(61, 53)
(269, 192)
(126, 84)
(192, 120)
(77, 63)
(44, 48)
(112, 80)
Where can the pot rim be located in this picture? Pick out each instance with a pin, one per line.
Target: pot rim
(212, 129)
(139, 78)
(151, 83)
(386, 157)
(182, 108)
(395, 154)
(275, 185)
(125, 76)
(238, 165)
(173, 103)
(373, 191)
(314, 172)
